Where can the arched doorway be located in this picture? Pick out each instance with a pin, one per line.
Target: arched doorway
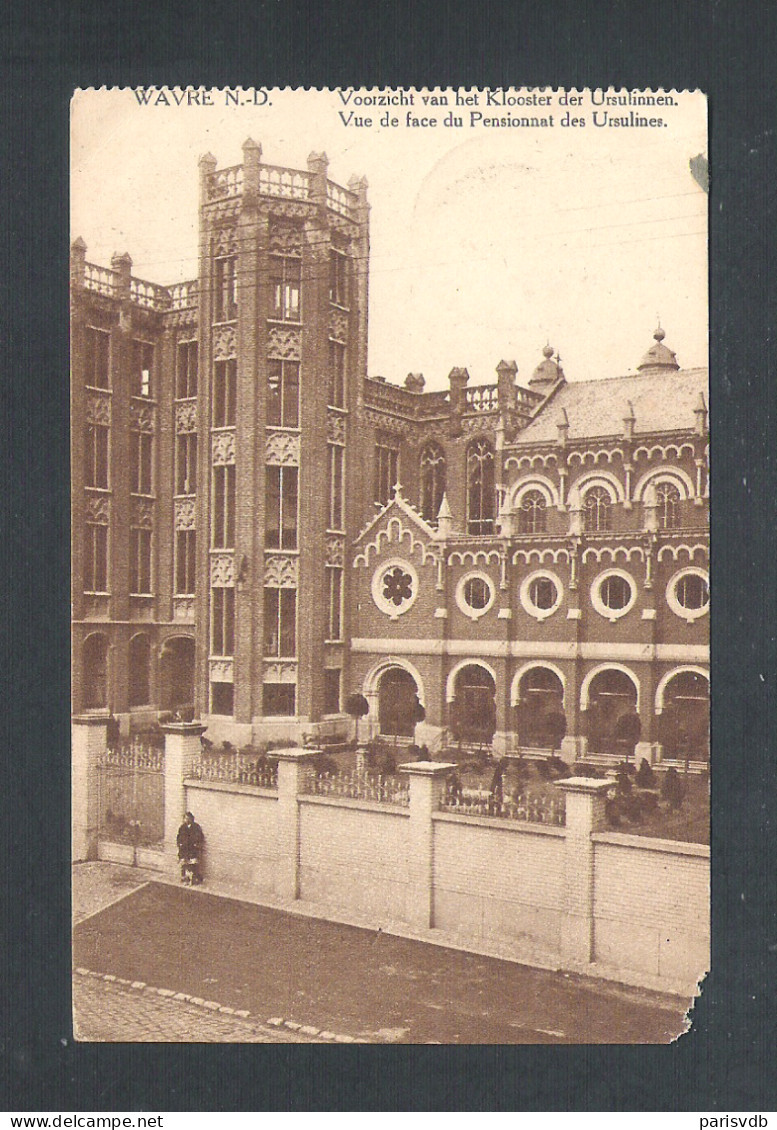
(473, 710)
(177, 673)
(95, 672)
(539, 713)
(684, 723)
(397, 703)
(611, 718)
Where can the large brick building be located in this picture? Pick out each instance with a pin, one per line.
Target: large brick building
(260, 529)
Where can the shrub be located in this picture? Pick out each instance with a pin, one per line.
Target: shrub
(585, 769)
(646, 778)
(673, 789)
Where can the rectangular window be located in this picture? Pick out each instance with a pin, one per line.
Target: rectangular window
(224, 507)
(142, 365)
(186, 375)
(336, 375)
(222, 698)
(338, 278)
(332, 691)
(285, 279)
(222, 636)
(281, 507)
(140, 562)
(185, 559)
(141, 455)
(283, 394)
(278, 698)
(97, 352)
(280, 623)
(386, 472)
(334, 584)
(336, 456)
(225, 289)
(224, 393)
(96, 559)
(186, 463)
(96, 456)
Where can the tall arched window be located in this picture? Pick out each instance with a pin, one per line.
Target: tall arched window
(432, 481)
(139, 671)
(668, 506)
(597, 507)
(95, 669)
(481, 498)
(531, 514)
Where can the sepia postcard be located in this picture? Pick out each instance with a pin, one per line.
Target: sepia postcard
(390, 565)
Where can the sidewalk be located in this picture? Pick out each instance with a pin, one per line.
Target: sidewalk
(287, 966)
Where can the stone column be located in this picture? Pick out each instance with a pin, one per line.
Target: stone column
(585, 803)
(291, 766)
(89, 742)
(427, 779)
(182, 744)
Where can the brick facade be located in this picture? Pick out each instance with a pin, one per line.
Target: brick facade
(291, 531)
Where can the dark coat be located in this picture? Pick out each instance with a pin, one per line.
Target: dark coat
(190, 840)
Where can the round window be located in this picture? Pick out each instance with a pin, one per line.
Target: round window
(475, 593)
(613, 594)
(688, 594)
(394, 587)
(541, 594)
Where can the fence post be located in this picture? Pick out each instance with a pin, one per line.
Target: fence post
(89, 742)
(427, 780)
(291, 766)
(182, 744)
(585, 810)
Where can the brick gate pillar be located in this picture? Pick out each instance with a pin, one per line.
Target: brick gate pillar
(89, 742)
(182, 744)
(291, 766)
(585, 804)
(427, 779)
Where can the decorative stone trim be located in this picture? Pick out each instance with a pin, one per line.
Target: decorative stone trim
(98, 509)
(282, 448)
(335, 550)
(142, 417)
(284, 343)
(98, 408)
(285, 239)
(338, 325)
(468, 610)
(224, 342)
(142, 513)
(399, 575)
(186, 416)
(183, 608)
(184, 513)
(223, 448)
(525, 594)
(222, 670)
(280, 672)
(222, 570)
(225, 241)
(281, 571)
(335, 427)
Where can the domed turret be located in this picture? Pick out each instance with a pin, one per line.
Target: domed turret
(659, 357)
(547, 372)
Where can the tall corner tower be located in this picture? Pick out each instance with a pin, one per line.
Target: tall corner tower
(283, 353)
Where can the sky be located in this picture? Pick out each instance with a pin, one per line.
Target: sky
(486, 242)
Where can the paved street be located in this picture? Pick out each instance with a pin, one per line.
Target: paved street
(107, 1012)
(314, 974)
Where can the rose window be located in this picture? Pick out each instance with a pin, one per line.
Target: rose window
(397, 586)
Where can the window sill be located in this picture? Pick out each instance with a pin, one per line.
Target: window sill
(286, 322)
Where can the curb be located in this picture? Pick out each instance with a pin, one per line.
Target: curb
(277, 1022)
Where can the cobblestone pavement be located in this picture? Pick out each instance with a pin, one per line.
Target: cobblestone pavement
(107, 1012)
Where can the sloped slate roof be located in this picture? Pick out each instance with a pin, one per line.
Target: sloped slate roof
(662, 401)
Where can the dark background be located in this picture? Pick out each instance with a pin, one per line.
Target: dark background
(46, 49)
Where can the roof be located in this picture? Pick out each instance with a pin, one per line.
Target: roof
(662, 402)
